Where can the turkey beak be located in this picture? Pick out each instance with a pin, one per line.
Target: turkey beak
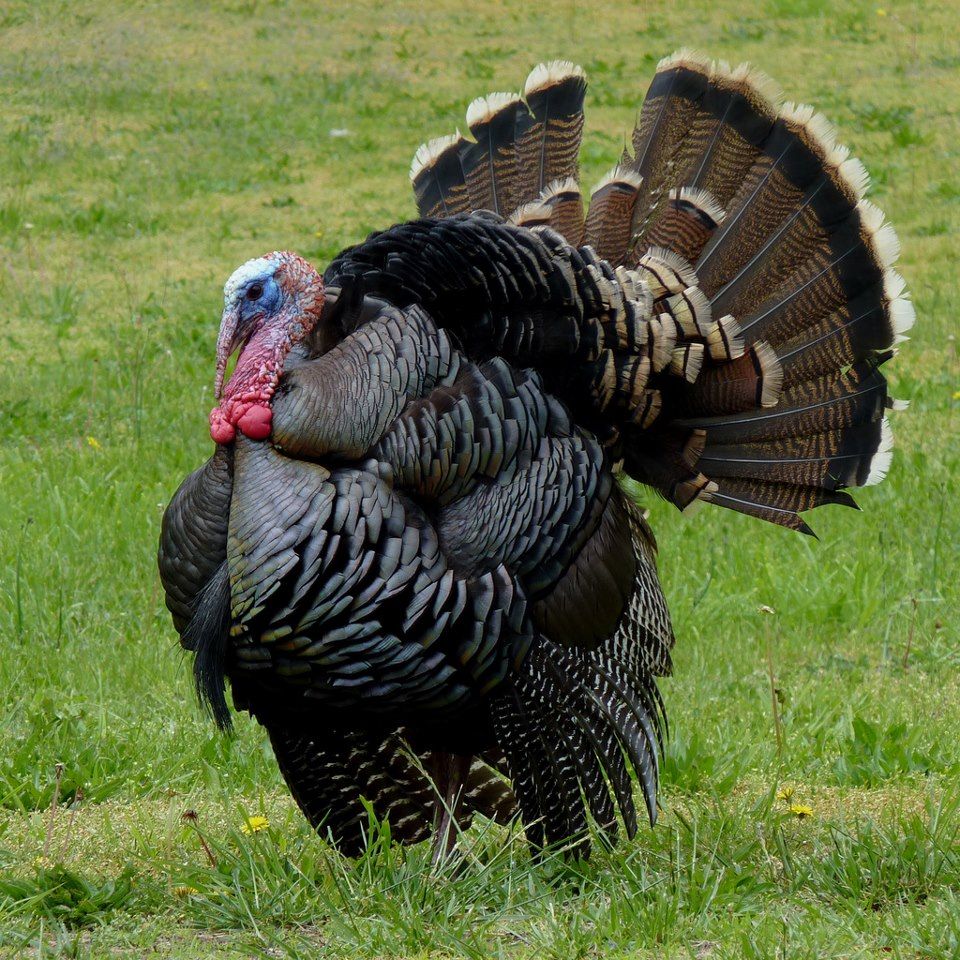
(227, 342)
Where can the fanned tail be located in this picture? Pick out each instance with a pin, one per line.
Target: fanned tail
(754, 288)
(748, 225)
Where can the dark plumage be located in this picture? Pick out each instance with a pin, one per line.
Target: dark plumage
(411, 555)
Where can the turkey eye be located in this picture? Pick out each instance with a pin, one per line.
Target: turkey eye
(254, 292)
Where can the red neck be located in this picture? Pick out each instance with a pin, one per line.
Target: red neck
(246, 399)
(245, 402)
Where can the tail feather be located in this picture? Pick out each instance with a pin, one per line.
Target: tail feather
(779, 503)
(559, 207)
(566, 205)
(803, 305)
(686, 223)
(609, 224)
(548, 131)
(437, 177)
(700, 126)
(489, 166)
(836, 458)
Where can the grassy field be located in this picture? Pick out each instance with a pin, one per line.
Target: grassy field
(146, 153)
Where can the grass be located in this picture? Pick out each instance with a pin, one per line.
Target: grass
(149, 150)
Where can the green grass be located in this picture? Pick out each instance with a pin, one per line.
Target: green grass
(145, 153)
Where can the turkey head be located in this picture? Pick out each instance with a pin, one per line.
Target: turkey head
(270, 304)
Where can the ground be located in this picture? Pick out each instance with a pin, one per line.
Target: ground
(144, 154)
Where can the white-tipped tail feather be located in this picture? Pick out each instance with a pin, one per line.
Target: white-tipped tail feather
(483, 108)
(558, 187)
(814, 127)
(772, 373)
(702, 200)
(536, 213)
(886, 244)
(687, 361)
(757, 82)
(685, 57)
(620, 174)
(683, 271)
(725, 339)
(880, 463)
(664, 339)
(547, 74)
(691, 309)
(902, 312)
(854, 173)
(428, 153)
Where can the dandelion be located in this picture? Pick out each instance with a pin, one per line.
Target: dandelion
(185, 891)
(881, 12)
(94, 442)
(254, 824)
(785, 794)
(801, 811)
(956, 394)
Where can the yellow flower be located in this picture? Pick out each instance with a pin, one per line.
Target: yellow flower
(185, 891)
(254, 824)
(785, 793)
(956, 395)
(881, 12)
(801, 811)
(94, 442)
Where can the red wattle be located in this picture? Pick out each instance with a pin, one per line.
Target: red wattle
(256, 422)
(221, 429)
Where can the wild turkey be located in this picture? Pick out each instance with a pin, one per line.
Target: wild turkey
(411, 554)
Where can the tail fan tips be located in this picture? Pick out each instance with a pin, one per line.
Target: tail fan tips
(700, 126)
(524, 150)
(437, 177)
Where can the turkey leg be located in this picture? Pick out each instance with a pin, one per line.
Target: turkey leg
(449, 773)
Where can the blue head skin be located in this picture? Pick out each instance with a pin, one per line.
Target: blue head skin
(251, 298)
